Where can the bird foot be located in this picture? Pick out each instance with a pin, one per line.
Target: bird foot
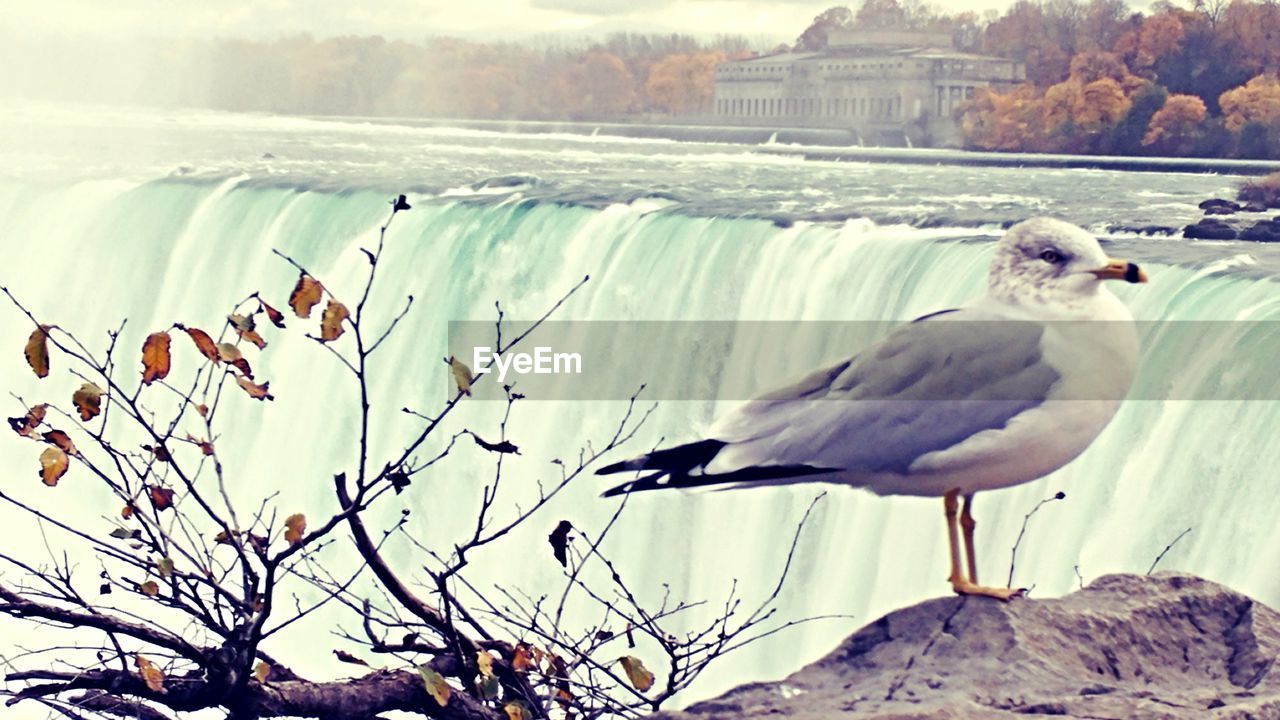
(964, 587)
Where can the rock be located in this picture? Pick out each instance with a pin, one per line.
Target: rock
(1265, 231)
(1209, 229)
(1143, 229)
(1127, 646)
(1219, 206)
(1255, 207)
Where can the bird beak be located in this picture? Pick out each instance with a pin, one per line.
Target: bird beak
(1120, 270)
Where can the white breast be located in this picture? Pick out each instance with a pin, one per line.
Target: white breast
(1096, 360)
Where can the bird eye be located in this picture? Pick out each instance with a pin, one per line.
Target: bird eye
(1051, 256)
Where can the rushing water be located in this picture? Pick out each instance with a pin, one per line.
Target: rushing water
(112, 214)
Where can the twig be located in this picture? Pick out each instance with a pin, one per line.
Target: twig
(1013, 556)
(1166, 550)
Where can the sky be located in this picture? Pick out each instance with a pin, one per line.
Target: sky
(415, 19)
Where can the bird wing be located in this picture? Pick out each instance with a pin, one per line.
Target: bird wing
(926, 387)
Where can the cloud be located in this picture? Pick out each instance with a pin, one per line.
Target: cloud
(416, 19)
(601, 8)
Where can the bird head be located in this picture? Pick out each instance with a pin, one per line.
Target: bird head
(1049, 260)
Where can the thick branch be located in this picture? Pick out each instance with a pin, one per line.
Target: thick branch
(17, 606)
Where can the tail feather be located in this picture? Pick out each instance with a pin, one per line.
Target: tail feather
(679, 459)
(760, 473)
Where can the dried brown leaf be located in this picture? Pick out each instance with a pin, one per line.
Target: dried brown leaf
(205, 446)
(295, 527)
(305, 295)
(61, 440)
(155, 357)
(503, 446)
(204, 344)
(559, 539)
(150, 674)
(484, 662)
(522, 659)
(88, 400)
(257, 392)
(244, 326)
(436, 686)
(335, 313)
(37, 351)
(462, 375)
(161, 497)
(240, 322)
(27, 424)
(348, 658)
(160, 452)
(53, 465)
(640, 677)
(275, 316)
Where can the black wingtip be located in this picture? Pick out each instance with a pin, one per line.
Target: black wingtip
(616, 490)
(648, 482)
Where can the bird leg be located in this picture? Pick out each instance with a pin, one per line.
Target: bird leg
(967, 525)
(960, 584)
(949, 506)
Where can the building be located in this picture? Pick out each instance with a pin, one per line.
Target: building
(886, 87)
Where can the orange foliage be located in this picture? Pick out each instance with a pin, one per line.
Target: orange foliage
(1159, 36)
(1175, 127)
(1254, 29)
(1256, 101)
(1003, 121)
(1096, 65)
(1088, 106)
(683, 82)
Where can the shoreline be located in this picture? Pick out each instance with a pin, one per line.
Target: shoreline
(833, 145)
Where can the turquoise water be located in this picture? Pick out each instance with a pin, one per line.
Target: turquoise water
(87, 252)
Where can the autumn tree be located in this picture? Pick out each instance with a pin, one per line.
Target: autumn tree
(1010, 121)
(1157, 38)
(172, 571)
(814, 37)
(1176, 127)
(1252, 29)
(683, 83)
(1257, 101)
(1025, 33)
(607, 86)
(1078, 114)
(1145, 102)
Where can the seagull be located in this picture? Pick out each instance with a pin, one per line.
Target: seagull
(999, 392)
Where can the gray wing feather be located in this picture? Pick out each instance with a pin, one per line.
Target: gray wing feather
(926, 387)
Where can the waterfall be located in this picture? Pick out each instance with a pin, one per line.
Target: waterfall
(91, 254)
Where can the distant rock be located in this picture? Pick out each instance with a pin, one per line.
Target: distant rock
(1265, 231)
(1210, 229)
(1219, 206)
(1255, 206)
(1170, 646)
(1143, 229)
